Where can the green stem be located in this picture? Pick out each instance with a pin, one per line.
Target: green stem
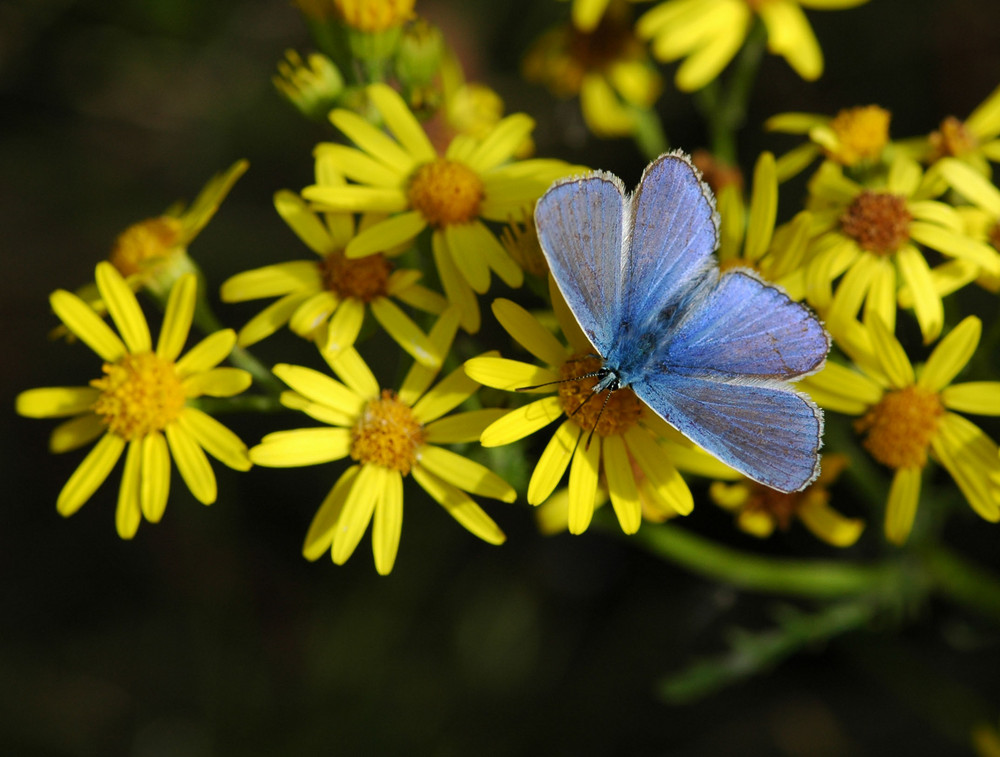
(241, 403)
(802, 578)
(649, 135)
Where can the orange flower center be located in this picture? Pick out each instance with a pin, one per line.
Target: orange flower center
(374, 15)
(622, 410)
(862, 134)
(901, 426)
(446, 192)
(879, 221)
(365, 278)
(952, 138)
(139, 395)
(149, 240)
(387, 434)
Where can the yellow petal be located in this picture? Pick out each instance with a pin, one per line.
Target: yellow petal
(177, 318)
(127, 512)
(467, 257)
(373, 141)
(971, 458)
(302, 446)
(358, 166)
(891, 355)
(218, 382)
(192, 464)
(387, 525)
(977, 397)
(90, 474)
(529, 333)
(312, 314)
(553, 462)
(522, 422)
(460, 507)
(927, 304)
(356, 198)
(385, 235)
(583, 484)
(951, 354)
(354, 372)
(790, 35)
(272, 281)
(984, 121)
(207, 354)
(123, 308)
(829, 525)
(344, 326)
(602, 109)
(621, 484)
(366, 492)
(448, 394)
(88, 327)
(465, 474)
(902, 504)
(155, 487)
(271, 318)
(512, 375)
(76, 432)
(56, 401)
(502, 142)
(405, 332)
(304, 222)
(795, 123)
(401, 122)
(958, 246)
(851, 292)
(842, 389)
(661, 474)
(763, 208)
(319, 537)
(462, 427)
(971, 185)
(215, 439)
(320, 388)
(456, 289)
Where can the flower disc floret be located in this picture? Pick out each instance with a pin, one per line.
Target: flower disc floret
(862, 133)
(142, 242)
(387, 434)
(619, 414)
(901, 426)
(879, 221)
(365, 278)
(446, 192)
(952, 139)
(140, 394)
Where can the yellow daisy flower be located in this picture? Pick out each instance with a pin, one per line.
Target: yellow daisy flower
(389, 435)
(152, 254)
(709, 33)
(760, 509)
(981, 221)
(326, 299)
(748, 238)
(453, 194)
(855, 138)
(906, 415)
(975, 141)
(607, 67)
(143, 402)
(870, 235)
(607, 434)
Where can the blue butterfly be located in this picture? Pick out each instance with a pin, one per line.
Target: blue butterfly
(711, 354)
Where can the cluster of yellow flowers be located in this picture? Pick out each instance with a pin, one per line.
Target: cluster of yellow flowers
(398, 191)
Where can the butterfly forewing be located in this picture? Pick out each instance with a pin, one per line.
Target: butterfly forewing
(674, 230)
(579, 225)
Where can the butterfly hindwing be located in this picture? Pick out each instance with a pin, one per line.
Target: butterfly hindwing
(765, 430)
(674, 231)
(580, 223)
(745, 327)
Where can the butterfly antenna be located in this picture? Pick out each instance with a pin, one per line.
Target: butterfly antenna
(595, 374)
(607, 398)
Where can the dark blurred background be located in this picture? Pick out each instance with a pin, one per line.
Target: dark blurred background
(209, 634)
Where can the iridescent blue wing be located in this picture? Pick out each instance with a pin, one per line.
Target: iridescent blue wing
(580, 224)
(765, 429)
(743, 326)
(674, 231)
